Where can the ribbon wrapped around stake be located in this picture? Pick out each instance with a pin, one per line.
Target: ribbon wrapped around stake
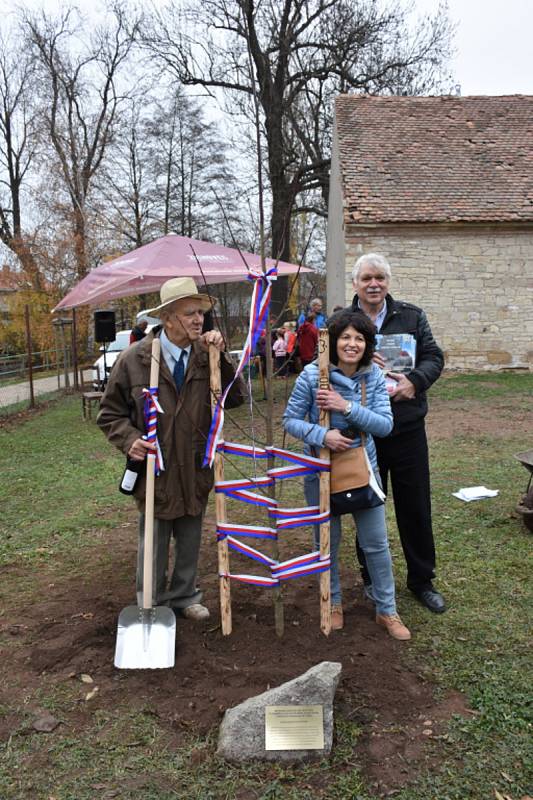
(258, 312)
(152, 408)
(285, 518)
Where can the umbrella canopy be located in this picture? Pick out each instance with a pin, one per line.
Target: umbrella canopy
(148, 267)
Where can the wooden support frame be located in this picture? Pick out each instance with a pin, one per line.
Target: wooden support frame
(220, 499)
(325, 577)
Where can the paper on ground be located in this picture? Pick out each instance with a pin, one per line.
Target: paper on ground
(475, 493)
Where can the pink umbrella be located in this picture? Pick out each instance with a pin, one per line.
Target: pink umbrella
(145, 269)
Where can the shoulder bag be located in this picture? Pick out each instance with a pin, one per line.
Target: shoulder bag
(353, 485)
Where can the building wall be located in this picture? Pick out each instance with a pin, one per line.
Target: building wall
(474, 282)
(335, 253)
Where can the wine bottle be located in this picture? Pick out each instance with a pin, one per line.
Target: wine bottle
(131, 474)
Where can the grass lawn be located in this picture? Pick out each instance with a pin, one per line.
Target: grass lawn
(59, 492)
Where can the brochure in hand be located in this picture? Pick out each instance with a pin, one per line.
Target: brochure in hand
(399, 352)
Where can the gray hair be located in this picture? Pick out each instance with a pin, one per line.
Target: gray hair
(167, 311)
(315, 300)
(371, 260)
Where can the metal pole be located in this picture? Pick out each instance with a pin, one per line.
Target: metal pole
(30, 355)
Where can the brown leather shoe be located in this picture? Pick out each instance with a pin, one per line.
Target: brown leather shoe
(394, 626)
(337, 618)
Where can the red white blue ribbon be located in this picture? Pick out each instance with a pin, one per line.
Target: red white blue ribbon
(244, 450)
(302, 464)
(259, 306)
(251, 531)
(249, 497)
(152, 408)
(309, 564)
(243, 483)
(299, 521)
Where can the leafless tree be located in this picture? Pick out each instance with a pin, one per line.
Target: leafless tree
(164, 171)
(299, 54)
(17, 149)
(81, 97)
(125, 189)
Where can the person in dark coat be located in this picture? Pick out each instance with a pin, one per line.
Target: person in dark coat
(138, 331)
(182, 488)
(403, 455)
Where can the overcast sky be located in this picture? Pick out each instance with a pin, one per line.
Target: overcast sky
(493, 40)
(494, 45)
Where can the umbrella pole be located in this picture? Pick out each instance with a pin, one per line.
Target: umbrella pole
(220, 500)
(325, 577)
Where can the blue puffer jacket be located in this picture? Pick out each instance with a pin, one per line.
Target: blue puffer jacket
(375, 417)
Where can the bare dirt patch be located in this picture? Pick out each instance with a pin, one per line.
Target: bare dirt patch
(449, 418)
(71, 632)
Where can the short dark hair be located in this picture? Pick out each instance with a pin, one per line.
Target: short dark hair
(362, 324)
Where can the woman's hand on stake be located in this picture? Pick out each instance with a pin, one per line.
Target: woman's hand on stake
(336, 441)
(330, 400)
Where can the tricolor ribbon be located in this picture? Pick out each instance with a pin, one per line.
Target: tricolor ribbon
(250, 531)
(259, 306)
(152, 408)
(309, 564)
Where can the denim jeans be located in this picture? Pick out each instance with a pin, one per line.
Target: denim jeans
(372, 536)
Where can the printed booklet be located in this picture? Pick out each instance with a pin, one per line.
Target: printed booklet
(399, 352)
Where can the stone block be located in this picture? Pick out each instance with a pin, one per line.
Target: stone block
(499, 357)
(242, 732)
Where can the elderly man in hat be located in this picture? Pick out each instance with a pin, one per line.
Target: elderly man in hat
(182, 489)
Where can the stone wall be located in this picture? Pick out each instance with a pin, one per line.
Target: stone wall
(474, 282)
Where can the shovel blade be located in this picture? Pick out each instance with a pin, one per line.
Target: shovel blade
(146, 638)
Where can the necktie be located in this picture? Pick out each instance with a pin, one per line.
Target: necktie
(179, 371)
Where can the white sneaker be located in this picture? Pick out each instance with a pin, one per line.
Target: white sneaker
(196, 612)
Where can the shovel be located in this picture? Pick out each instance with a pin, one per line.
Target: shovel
(146, 636)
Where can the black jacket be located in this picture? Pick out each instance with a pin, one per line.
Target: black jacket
(404, 317)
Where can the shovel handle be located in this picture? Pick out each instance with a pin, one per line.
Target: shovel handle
(148, 575)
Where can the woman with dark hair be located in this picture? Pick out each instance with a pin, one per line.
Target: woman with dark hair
(351, 343)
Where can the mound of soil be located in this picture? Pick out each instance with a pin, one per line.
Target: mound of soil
(72, 631)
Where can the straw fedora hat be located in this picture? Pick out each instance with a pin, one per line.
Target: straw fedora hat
(181, 289)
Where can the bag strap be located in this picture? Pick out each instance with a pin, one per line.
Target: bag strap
(363, 403)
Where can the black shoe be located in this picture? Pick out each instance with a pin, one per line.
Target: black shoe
(431, 599)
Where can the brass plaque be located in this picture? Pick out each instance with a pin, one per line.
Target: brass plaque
(294, 728)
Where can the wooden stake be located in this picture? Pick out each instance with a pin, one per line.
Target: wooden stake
(277, 597)
(220, 499)
(29, 350)
(325, 582)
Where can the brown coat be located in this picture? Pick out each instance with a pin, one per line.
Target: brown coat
(183, 487)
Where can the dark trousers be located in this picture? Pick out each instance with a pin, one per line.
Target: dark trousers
(404, 458)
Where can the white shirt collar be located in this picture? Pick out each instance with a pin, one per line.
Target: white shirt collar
(378, 322)
(172, 353)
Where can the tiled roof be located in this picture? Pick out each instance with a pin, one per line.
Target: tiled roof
(436, 159)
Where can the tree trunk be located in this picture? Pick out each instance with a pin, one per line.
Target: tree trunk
(18, 246)
(281, 243)
(79, 243)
